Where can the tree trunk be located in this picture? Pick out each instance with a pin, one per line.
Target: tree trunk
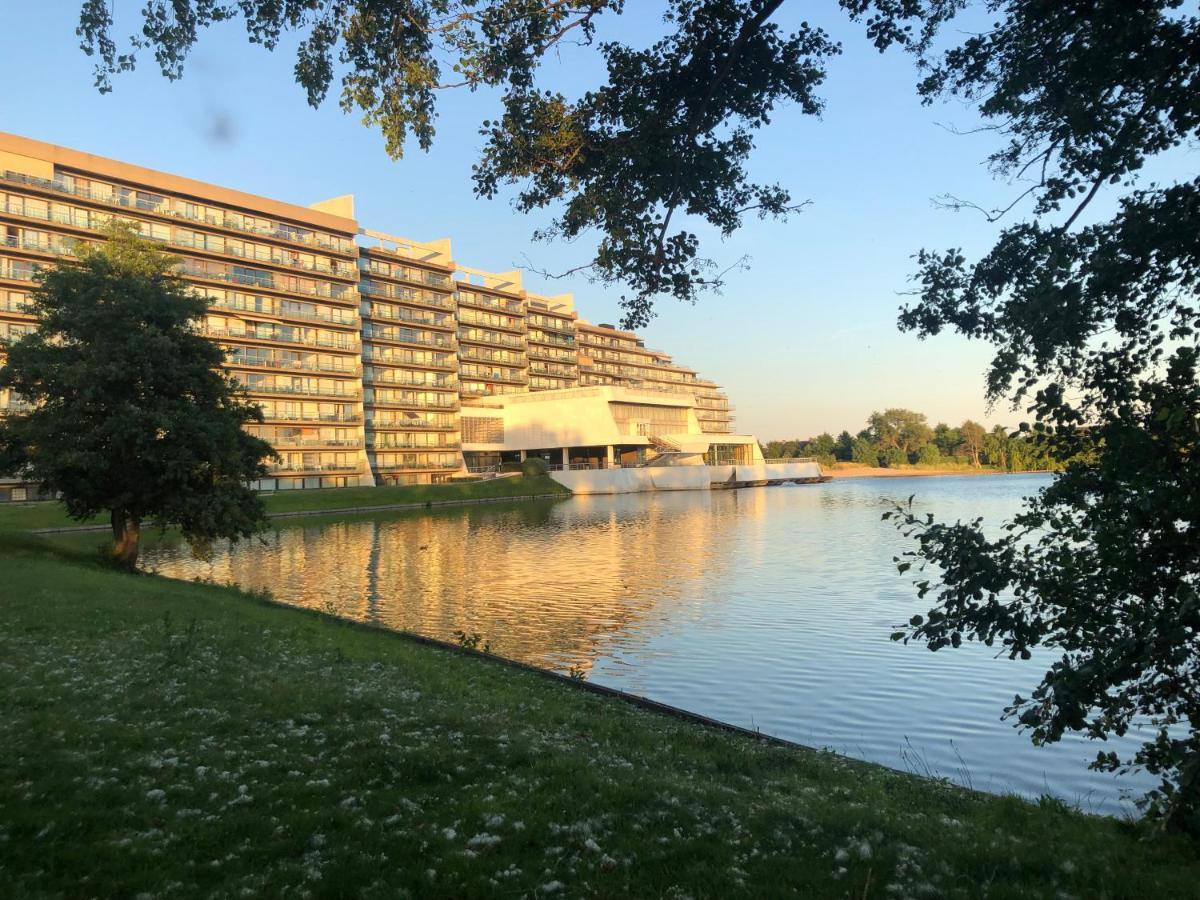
(126, 535)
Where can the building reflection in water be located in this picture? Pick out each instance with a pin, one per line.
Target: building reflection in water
(557, 584)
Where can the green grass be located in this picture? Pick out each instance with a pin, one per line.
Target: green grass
(27, 516)
(176, 739)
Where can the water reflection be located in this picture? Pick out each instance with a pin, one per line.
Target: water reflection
(767, 607)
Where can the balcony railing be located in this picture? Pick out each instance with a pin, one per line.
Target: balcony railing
(266, 281)
(406, 295)
(467, 317)
(494, 340)
(291, 234)
(552, 340)
(409, 425)
(437, 342)
(445, 466)
(507, 377)
(786, 461)
(290, 364)
(346, 418)
(403, 314)
(409, 445)
(314, 467)
(288, 443)
(391, 403)
(350, 394)
(486, 301)
(229, 334)
(438, 384)
(333, 317)
(404, 273)
(496, 357)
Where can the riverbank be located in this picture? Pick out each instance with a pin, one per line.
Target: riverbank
(852, 470)
(180, 739)
(52, 515)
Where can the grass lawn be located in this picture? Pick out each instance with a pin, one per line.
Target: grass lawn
(175, 740)
(25, 516)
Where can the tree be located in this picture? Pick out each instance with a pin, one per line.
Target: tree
(946, 439)
(667, 136)
(1091, 305)
(972, 435)
(929, 455)
(131, 414)
(899, 429)
(844, 450)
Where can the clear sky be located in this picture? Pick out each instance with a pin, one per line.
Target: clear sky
(804, 341)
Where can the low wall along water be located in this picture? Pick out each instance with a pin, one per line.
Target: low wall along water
(679, 478)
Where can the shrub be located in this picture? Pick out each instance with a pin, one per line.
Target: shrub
(535, 465)
(929, 456)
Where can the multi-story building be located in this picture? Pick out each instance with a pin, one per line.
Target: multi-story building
(410, 362)
(360, 347)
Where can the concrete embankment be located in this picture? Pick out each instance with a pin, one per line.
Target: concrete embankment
(680, 478)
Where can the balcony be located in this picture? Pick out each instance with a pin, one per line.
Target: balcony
(409, 445)
(374, 311)
(265, 281)
(554, 356)
(403, 273)
(552, 340)
(400, 403)
(410, 425)
(349, 394)
(279, 232)
(345, 270)
(467, 317)
(552, 325)
(326, 343)
(314, 467)
(406, 295)
(332, 317)
(500, 375)
(339, 368)
(437, 342)
(496, 357)
(290, 443)
(488, 302)
(419, 467)
(439, 384)
(377, 359)
(343, 418)
(552, 372)
(492, 340)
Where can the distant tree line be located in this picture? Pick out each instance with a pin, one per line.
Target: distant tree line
(901, 437)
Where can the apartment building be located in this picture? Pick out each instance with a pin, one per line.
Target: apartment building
(361, 347)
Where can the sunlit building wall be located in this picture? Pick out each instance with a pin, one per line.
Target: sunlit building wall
(360, 347)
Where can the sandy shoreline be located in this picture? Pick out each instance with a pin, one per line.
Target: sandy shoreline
(880, 472)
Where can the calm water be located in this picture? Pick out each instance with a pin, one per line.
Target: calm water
(766, 607)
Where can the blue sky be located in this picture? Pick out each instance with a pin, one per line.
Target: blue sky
(804, 340)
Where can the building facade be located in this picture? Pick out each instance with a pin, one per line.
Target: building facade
(366, 351)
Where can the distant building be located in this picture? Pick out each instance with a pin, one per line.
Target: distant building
(375, 359)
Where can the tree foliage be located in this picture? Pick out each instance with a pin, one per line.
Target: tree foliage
(131, 414)
(901, 437)
(1093, 316)
(667, 135)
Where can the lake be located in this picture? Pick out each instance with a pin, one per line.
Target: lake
(765, 607)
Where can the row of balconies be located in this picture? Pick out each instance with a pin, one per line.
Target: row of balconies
(339, 367)
(394, 378)
(330, 316)
(406, 295)
(290, 233)
(376, 311)
(349, 346)
(266, 281)
(350, 393)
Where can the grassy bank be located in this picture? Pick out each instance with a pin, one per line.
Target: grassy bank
(26, 516)
(179, 740)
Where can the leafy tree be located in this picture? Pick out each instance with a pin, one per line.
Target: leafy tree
(1090, 302)
(666, 136)
(131, 413)
(899, 429)
(822, 447)
(995, 447)
(946, 439)
(864, 452)
(972, 435)
(894, 457)
(929, 455)
(844, 449)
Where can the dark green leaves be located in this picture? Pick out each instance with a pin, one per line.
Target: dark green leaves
(132, 412)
